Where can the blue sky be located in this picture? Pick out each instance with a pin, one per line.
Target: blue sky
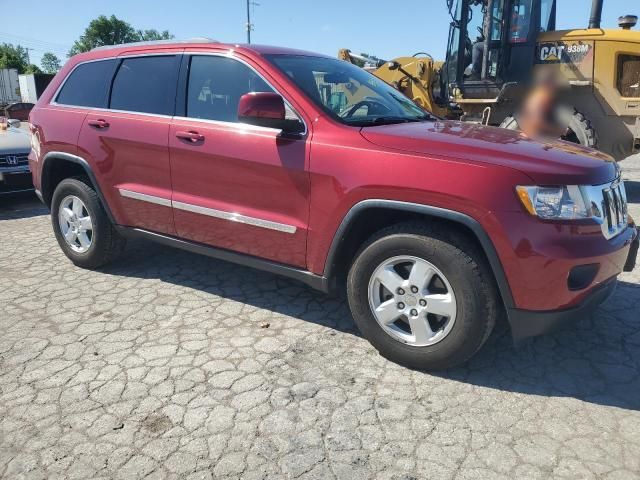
(383, 28)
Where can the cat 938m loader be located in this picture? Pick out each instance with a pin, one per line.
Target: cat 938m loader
(495, 49)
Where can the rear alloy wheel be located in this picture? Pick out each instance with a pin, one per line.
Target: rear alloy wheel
(422, 295)
(75, 224)
(82, 227)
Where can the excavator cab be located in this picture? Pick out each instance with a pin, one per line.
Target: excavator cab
(497, 49)
(492, 46)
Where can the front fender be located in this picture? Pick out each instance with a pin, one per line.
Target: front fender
(429, 211)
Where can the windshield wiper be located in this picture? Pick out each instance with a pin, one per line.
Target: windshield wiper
(387, 120)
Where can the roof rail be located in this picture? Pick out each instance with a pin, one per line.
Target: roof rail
(156, 42)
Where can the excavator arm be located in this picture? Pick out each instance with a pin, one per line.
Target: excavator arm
(416, 77)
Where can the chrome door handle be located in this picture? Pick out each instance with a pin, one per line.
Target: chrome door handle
(190, 136)
(98, 123)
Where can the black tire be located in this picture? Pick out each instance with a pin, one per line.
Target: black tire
(510, 123)
(580, 129)
(106, 243)
(467, 273)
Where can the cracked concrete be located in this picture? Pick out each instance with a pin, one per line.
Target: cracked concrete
(160, 366)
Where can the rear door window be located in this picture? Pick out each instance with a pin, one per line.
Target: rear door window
(146, 85)
(88, 85)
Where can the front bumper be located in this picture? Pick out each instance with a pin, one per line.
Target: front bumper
(632, 258)
(15, 179)
(532, 323)
(539, 258)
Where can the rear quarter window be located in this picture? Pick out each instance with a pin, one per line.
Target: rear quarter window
(146, 85)
(88, 84)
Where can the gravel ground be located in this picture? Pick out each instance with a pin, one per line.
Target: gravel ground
(170, 365)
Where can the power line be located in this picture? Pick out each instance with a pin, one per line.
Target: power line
(34, 45)
(42, 50)
(35, 41)
(35, 54)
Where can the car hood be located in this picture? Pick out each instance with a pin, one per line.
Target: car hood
(553, 162)
(14, 140)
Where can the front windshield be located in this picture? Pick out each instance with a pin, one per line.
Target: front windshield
(348, 93)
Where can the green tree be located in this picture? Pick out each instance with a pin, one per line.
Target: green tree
(104, 31)
(50, 63)
(31, 68)
(13, 56)
(147, 35)
(112, 31)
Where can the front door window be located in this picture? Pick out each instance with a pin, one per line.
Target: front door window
(548, 15)
(476, 39)
(453, 48)
(520, 21)
(485, 25)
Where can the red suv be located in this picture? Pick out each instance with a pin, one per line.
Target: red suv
(310, 167)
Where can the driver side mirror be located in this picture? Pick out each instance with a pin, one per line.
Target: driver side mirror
(267, 109)
(14, 122)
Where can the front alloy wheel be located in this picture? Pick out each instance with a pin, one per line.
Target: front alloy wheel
(412, 300)
(422, 294)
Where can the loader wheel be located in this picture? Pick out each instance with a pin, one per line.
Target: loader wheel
(580, 129)
(510, 123)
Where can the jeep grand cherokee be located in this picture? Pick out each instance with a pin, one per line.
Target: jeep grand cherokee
(307, 166)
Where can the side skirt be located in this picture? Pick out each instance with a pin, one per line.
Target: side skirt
(316, 282)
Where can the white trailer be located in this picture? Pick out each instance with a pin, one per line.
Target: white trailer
(9, 86)
(27, 88)
(32, 85)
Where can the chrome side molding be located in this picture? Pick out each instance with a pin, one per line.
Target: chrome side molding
(210, 212)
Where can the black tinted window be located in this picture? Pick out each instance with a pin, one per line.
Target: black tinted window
(216, 85)
(145, 84)
(88, 85)
(629, 75)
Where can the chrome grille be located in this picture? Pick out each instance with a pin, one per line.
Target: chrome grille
(12, 160)
(609, 205)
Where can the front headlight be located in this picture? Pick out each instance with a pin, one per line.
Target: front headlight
(565, 202)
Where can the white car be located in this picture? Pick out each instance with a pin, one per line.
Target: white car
(15, 144)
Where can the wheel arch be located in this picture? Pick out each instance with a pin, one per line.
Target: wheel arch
(369, 216)
(56, 166)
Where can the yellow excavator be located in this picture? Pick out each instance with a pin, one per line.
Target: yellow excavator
(484, 80)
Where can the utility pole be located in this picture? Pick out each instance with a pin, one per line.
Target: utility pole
(250, 4)
(248, 22)
(28, 60)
